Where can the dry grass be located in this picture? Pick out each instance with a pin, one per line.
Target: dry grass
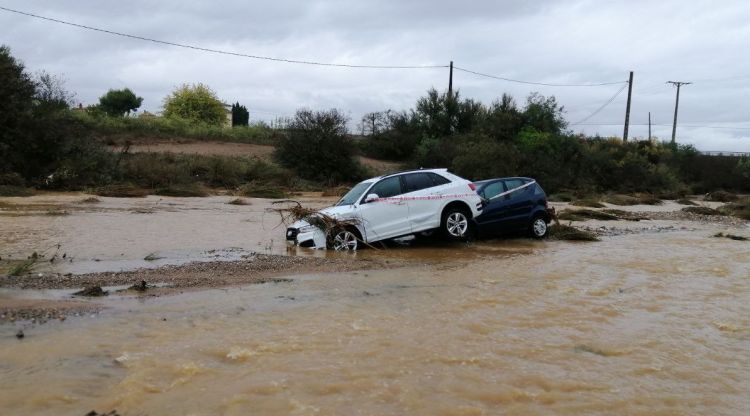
(294, 211)
(739, 209)
(637, 199)
(22, 267)
(258, 190)
(566, 232)
(721, 196)
(585, 214)
(685, 201)
(588, 202)
(700, 210)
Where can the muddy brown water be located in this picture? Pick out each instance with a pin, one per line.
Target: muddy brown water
(655, 323)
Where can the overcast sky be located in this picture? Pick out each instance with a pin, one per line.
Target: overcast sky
(550, 41)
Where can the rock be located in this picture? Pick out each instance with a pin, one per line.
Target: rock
(20, 334)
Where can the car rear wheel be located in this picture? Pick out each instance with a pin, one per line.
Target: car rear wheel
(455, 224)
(344, 240)
(538, 227)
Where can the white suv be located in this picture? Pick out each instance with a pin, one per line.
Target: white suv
(393, 206)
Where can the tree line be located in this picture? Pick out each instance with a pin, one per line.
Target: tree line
(45, 144)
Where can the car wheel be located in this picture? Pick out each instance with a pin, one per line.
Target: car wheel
(344, 240)
(538, 227)
(455, 224)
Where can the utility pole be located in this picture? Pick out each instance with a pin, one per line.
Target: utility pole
(649, 126)
(450, 82)
(678, 84)
(627, 108)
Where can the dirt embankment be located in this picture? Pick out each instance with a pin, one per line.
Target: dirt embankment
(262, 152)
(257, 268)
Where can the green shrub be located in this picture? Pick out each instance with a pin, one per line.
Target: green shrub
(318, 148)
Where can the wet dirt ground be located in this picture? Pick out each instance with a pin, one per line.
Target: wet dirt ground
(649, 322)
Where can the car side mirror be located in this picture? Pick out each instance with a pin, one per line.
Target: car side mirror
(371, 198)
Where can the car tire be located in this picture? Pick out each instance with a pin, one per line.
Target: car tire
(456, 223)
(538, 228)
(344, 239)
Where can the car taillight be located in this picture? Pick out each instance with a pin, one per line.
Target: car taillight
(472, 186)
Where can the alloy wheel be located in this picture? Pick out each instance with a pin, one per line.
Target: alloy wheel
(345, 241)
(456, 224)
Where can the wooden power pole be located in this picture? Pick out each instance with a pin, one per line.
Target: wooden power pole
(627, 108)
(450, 81)
(649, 126)
(678, 84)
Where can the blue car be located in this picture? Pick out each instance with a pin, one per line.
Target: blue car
(513, 204)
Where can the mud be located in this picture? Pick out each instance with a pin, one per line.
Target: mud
(652, 320)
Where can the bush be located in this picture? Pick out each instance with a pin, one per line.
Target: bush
(119, 129)
(317, 148)
(196, 103)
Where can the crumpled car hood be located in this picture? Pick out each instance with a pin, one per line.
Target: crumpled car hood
(338, 212)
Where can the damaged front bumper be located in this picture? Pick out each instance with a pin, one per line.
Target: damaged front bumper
(302, 234)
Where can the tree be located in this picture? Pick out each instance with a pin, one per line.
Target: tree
(544, 114)
(51, 95)
(117, 103)
(318, 148)
(374, 122)
(39, 139)
(17, 91)
(196, 103)
(443, 115)
(240, 115)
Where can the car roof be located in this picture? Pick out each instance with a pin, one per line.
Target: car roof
(487, 181)
(434, 170)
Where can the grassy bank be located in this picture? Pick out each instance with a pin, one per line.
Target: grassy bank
(115, 130)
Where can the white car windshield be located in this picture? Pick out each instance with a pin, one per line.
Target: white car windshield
(354, 194)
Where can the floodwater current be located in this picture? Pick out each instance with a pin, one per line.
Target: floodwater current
(644, 324)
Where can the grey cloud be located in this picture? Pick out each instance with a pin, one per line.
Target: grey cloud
(550, 41)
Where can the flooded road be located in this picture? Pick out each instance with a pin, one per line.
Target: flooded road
(119, 233)
(654, 323)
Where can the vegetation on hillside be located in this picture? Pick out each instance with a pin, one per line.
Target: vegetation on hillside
(46, 144)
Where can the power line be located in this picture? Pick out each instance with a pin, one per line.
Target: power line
(199, 48)
(608, 102)
(537, 83)
(666, 125)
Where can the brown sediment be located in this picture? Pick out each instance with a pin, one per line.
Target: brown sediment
(43, 310)
(257, 268)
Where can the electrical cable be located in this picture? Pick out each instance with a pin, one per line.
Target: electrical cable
(608, 102)
(665, 125)
(199, 48)
(537, 83)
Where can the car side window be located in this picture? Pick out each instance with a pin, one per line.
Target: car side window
(387, 188)
(511, 184)
(493, 189)
(417, 181)
(438, 180)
